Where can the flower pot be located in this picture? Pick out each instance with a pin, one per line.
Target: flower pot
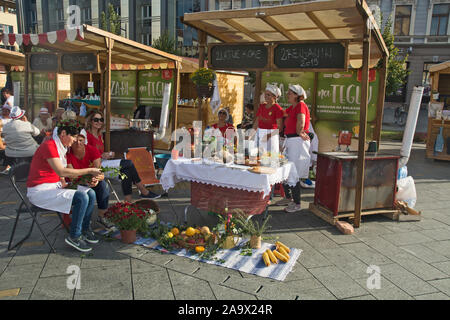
(128, 236)
(205, 91)
(255, 242)
(229, 243)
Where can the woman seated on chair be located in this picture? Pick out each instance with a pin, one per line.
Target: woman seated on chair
(94, 127)
(45, 188)
(81, 156)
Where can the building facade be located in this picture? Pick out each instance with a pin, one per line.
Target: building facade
(422, 32)
(8, 20)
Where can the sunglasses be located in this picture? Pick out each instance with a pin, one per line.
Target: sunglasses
(222, 113)
(98, 119)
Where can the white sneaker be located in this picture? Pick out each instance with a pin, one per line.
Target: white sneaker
(293, 208)
(283, 202)
(307, 184)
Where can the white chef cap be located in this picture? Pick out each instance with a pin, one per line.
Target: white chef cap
(273, 89)
(298, 90)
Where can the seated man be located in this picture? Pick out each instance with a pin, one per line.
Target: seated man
(81, 156)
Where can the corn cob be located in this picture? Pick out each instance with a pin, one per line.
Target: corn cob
(265, 257)
(280, 256)
(279, 244)
(272, 256)
(283, 252)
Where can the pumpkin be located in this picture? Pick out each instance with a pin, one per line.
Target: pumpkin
(199, 249)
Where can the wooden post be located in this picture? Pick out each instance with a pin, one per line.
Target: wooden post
(176, 90)
(362, 125)
(109, 46)
(27, 80)
(201, 64)
(256, 100)
(380, 104)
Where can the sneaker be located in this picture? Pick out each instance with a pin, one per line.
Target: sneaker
(6, 171)
(151, 195)
(78, 244)
(104, 222)
(307, 184)
(292, 208)
(283, 202)
(89, 236)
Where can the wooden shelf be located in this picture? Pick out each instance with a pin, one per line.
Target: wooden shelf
(433, 131)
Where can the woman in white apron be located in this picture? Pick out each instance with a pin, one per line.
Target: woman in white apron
(46, 189)
(94, 127)
(297, 143)
(269, 121)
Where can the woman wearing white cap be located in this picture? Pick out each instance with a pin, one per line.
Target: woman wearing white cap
(43, 122)
(269, 119)
(19, 133)
(297, 142)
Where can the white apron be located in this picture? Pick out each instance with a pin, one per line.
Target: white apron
(297, 151)
(51, 196)
(271, 145)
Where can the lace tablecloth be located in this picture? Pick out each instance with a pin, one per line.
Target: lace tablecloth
(228, 176)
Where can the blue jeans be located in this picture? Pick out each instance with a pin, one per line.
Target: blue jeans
(82, 207)
(102, 194)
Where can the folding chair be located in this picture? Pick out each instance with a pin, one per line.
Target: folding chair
(143, 161)
(18, 176)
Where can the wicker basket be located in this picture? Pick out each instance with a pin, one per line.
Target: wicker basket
(148, 204)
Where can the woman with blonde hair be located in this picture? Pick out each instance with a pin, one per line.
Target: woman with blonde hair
(94, 127)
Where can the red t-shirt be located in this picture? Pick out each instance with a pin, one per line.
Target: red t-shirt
(96, 142)
(268, 117)
(223, 129)
(290, 124)
(40, 170)
(90, 155)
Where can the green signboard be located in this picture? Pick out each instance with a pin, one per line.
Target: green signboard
(284, 79)
(43, 93)
(339, 96)
(123, 92)
(151, 86)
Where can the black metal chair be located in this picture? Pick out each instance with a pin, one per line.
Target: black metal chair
(18, 175)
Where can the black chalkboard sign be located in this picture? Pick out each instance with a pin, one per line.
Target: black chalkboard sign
(240, 57)
(79, 62)
(310, 56)
(43, 62)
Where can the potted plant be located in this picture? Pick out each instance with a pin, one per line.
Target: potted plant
(228, 230)
(203, 79)
(252, 228)
(129, 218)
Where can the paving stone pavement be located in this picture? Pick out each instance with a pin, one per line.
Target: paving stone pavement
(413, 256)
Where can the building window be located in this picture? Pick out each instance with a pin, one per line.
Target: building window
(146, 12)
(230, 4)
(146, 39)
(402, 20)
(439, 20)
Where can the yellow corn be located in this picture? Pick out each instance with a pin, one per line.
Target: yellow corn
(265, 257)
(272, 256)
(280, 256)
(283, 252)
(279, 244)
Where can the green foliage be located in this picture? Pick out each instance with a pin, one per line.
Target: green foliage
(249, 226)
(203, 76)
(166, 43)
(111, 21)
(396, 71)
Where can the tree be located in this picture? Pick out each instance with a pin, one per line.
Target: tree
(111, 21)
(396, 71)
(166, 43)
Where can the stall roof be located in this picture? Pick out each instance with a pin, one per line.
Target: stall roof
(440, 66)
(88, 38)
(11, 58)
(306, 21)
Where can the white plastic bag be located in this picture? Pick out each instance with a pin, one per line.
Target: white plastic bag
(406, 191)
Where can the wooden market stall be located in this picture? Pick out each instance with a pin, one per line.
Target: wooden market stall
(309, 36)
(91, 51)
(439, 115)
(9, 60)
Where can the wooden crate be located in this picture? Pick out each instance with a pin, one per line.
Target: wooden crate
(433, 131)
